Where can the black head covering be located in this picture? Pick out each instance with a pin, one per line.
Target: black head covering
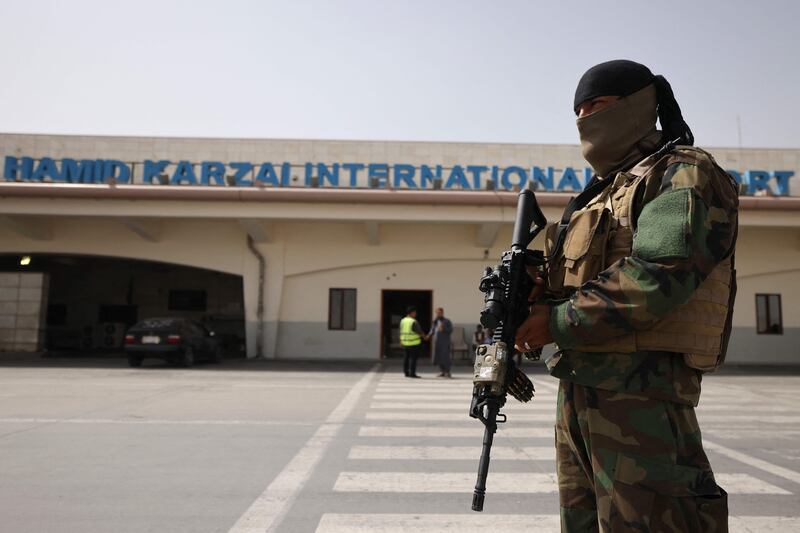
(612, 78)
(622, 77)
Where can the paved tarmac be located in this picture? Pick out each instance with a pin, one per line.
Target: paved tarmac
(93, 446)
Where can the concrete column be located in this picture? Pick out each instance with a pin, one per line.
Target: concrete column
(273, 288)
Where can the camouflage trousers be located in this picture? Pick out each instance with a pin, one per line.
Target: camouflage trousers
(631, 463)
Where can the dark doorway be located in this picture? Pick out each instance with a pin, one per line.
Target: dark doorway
(393, 308)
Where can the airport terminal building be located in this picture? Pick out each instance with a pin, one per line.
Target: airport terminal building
(313, 249)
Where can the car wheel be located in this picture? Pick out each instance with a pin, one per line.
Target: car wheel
(134, 362)
(218, 355)
(187, 359)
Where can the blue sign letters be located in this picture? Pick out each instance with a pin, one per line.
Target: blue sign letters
(333, 175)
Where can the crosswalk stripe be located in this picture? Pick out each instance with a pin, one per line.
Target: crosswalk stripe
(549, 405)
(456, 482)
(747, 484)
(422, 387)
(448, 394)
(452, 417)
(760, 419)
(463, 523)
(451, 453)
(708, 420)
(416, 397)
(476, 431)
(763, 524)
(775, 470)
(455, 384)
(504, 482)
(480, 523)
(460, 406)
(737, 433)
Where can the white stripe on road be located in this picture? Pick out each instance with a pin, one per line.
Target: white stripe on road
(267, 511)
(427, 523)
(741, 421)
(512, 405)
(738, 432)
(456, 482)
(755, 419)
(454, 385)
(446, 394)
(452, 417)
(746, 484)
(481, 523)
(763, 524)
(419, 397)
(549, 404)
(503, 482)
(443, 389)
(475, 431)
(775, 470)
(153, 421)
(451, 453)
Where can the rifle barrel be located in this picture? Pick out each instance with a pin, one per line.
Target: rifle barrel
(483, 466)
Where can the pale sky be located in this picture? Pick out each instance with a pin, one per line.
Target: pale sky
(420, 70)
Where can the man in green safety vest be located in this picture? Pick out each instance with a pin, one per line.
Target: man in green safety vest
(411, 338)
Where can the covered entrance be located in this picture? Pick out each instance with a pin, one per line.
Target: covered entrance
(92, 300)
(394, 304)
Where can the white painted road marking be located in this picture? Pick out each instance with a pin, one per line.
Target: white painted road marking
(513, 405)
(475, 431)
(455, 482)
(775, 470)
(155, 421)
(480, 523)
(549, 405)
(504, 482)
(455, 417)
(452, 453)
(267, 511)
(428, 523)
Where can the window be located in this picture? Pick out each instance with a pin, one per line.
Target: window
(342, 309)
(185, 300)
(768, 314)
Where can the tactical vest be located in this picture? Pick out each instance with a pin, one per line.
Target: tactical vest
(601, 233)
(408, 337)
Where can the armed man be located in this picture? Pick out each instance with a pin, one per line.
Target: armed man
(640, 290)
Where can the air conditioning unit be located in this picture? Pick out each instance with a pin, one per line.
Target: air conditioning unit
(110, 335)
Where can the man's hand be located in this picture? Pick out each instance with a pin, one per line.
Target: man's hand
(538, 284)
(535, 331)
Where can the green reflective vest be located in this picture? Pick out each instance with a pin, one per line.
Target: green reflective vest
(408, 337)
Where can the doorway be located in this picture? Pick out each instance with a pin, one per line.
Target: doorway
(394, 305)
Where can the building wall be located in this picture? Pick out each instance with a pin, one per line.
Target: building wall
(311, 248)
(136, 149)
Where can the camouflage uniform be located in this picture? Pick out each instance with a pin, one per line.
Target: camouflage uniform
(629, 451)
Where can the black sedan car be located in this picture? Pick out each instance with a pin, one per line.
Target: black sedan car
(176, 340)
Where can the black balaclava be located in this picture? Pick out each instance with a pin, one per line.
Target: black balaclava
(624, 132)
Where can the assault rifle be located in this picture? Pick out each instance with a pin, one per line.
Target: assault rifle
(506, 289)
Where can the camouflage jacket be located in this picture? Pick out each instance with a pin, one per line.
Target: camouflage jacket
(633, 293)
